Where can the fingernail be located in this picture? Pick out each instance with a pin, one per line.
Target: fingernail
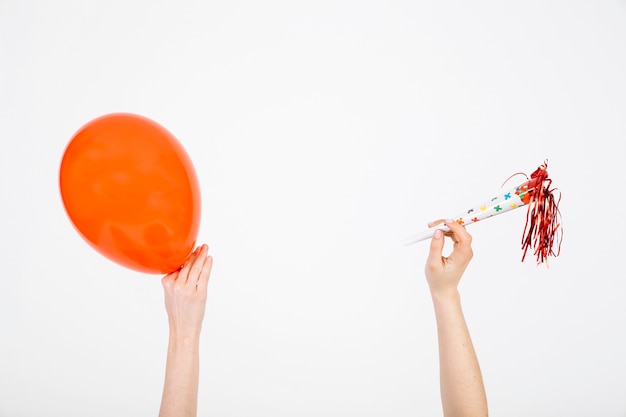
(438, 234)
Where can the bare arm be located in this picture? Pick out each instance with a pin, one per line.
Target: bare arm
(461, 383)
(185, 301)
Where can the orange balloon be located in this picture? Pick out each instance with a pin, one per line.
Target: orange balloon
(131, 191)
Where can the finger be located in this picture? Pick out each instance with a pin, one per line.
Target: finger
(459, 233)
(169, 279)
(183, 274)
(205, 274)
(435, 222)
(462, 240)
(196, 264)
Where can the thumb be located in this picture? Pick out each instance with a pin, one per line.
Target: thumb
(436, 249)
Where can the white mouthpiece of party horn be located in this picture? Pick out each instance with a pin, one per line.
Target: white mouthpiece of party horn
(426, 234)
(512, 199)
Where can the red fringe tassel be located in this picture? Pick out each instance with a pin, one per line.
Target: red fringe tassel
(543, 229)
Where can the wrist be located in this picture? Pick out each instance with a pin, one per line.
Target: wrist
(442, 297)
(184, 328)
(184, 339)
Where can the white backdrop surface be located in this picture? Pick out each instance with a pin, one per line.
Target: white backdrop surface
(323, 133)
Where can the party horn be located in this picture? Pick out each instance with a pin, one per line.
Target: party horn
(543, 219)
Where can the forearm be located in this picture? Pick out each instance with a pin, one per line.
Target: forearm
(180, 391)
(462, 389)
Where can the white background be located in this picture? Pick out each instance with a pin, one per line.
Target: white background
(323, 133)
